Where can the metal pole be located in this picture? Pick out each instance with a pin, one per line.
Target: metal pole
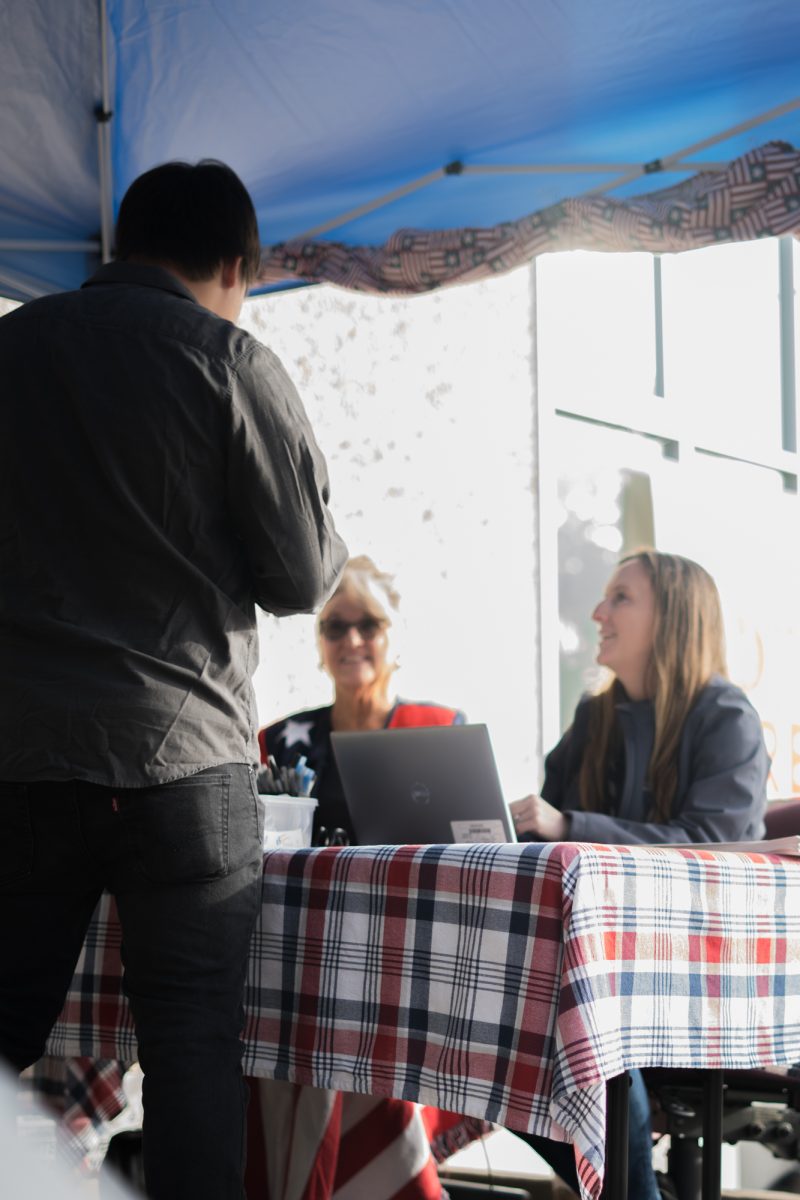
(62, 246)
(712, 1135)
(669, 162)
(788, 382)
(658, 308)
(615, 1186)
(103, 115)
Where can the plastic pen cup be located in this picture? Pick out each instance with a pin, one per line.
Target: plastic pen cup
(288, 820)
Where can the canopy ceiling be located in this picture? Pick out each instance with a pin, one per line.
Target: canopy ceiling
(324, 108)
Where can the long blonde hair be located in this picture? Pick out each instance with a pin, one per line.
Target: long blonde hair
(688, 648)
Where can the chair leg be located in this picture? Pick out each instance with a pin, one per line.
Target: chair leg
(685, 1164)
(712, 1135)
(616, 1181)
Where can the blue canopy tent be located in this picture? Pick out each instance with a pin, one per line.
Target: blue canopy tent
(350, 121)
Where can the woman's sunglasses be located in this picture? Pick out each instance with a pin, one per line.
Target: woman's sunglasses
(333, 630)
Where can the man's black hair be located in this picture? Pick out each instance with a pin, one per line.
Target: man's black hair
(192, 216)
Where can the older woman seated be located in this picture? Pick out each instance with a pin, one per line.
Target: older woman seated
(356, 646)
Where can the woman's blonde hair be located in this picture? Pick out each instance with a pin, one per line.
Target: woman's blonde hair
(365, 583)
(688, 648)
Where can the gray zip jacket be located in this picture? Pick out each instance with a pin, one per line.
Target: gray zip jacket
(158, 480)
(722, 774)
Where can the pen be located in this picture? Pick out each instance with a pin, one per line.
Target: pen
(305, 776)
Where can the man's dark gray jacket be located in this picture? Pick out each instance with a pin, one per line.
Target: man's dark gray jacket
(158, 479)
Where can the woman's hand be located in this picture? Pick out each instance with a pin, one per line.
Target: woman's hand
(534, 815)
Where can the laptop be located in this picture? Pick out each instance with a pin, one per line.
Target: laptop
(423, 786)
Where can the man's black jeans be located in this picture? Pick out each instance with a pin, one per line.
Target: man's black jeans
(184, 862)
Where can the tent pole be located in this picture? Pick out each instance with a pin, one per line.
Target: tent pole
(103, 115)
(459, 168)
(371, 205)
(672, 160)
(630, 171)
(600, 168)
(49, 245)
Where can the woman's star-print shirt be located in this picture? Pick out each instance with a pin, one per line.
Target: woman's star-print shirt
(309, 733)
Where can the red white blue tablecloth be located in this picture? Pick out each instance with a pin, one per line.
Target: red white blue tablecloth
(303, 1143)
(507, 982)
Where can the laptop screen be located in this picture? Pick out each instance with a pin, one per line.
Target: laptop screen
(422, 786)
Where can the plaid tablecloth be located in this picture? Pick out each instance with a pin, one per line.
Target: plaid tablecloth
(511, 982)
(508, 982)
(303, 1143)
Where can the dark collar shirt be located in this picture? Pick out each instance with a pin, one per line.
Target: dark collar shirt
(158, 480)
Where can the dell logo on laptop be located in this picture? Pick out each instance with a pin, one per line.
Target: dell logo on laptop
(420, 793)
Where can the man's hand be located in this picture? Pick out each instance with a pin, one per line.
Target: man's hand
(535, 816)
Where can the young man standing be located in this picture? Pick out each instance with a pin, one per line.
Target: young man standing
(158, 480)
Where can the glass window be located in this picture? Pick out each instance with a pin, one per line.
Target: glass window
(604, 487)
(596, 332)
(616, 491)
(722, 346)
(686, 481)
(739, 522)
